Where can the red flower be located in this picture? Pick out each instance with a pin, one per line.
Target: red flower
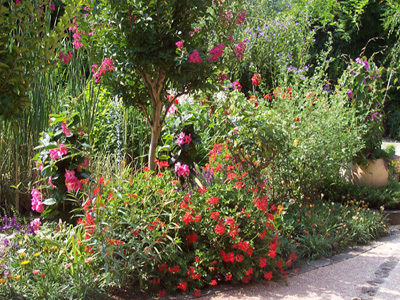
(220, 229)
(239, 257)
(110, 196)
(163, 267)
(213, 200)
(230, 221)
(255, 80)
(202, 190)
(197, 218)
(96, 191)
(263, 234)
(268, 275)
(173, 270)
(196, 293)
(156, 281)
(297, 119)
(182, 286)
(215, 215)
(249, 272)
(214, 282)
(192, 238)
(187, 218)
(161, 294)
(228, 277)
(263, 262)
(101, 180)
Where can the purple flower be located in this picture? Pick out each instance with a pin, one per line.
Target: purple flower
(358, 60)
(366, 65)
(350, 94)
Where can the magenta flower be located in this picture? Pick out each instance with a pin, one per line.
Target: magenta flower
(17, 2)
(83, 165)
(240, 49)
(50, 182)
(216, 52)
(52, 6)
(72, 183)
(65, 130)
(366, 64)
(172, 109)
(36, 201)
(195, 57)
(182, 170)
(179, 44)
(183, 139)
(350, 94)
(241, 17)
(35, 223)
(358, 60)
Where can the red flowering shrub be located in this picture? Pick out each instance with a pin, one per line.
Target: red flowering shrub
(186, 239)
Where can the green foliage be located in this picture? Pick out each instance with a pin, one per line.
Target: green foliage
(28, 48)
(51, 264)
(366, 96)
(341, 227)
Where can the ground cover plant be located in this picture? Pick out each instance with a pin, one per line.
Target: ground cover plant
(168, 149)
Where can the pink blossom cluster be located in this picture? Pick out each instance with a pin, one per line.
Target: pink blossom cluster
(227, 17)
(184, 139)
(52, 6)
(65, 57)
(36, 201)
(35, 223)
(182, 170)
(195, 57)
(179, 44)
(240, 48)
(106, 65)
(77, 34)
(241, 17)
(72, 183)
(58, 152)
(65, 130)
(216, 52)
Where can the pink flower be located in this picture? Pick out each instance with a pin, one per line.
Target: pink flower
(17, 2)
(240, 48)
(241, 17)
(51, 183)
(179, 44)
(72, 183)
(183, 139)
(172, 109)
(36, 202)
(216, 52)
(182, 170)
(195, 57)
(65, 130)
(63, 150)
(89, 260)
(35, 223)
(34, 272)
(52, 6)
(83, 165)
(67, 266)
(106, 66)
(231, 39)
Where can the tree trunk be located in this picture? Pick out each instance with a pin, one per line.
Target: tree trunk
(155, 133)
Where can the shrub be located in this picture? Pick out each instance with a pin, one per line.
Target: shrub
(150, 230)
(62, 162)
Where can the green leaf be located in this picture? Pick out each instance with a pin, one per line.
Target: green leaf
(50, 201)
